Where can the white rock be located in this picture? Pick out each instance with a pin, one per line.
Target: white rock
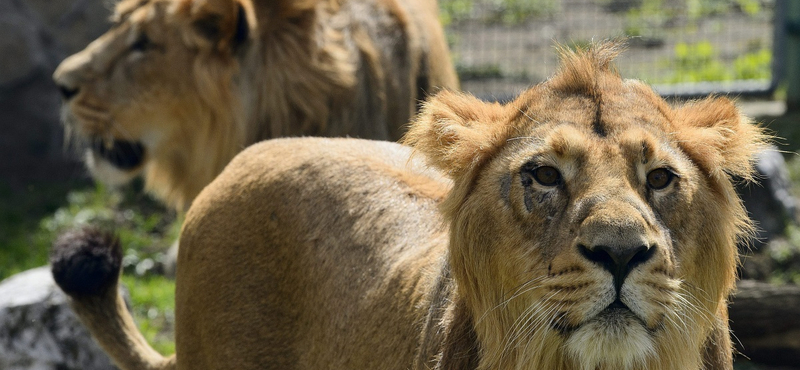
(38, 330)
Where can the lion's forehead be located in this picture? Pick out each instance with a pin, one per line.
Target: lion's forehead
(125, 8)
(139, 11)
(623, 131)
(574, 145)
(154, 20)
(620, 105)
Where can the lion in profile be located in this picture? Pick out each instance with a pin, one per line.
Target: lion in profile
(586, 225)
(177, 87)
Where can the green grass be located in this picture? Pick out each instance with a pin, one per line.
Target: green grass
(479, 72)
(701, 62)
(29, 222)
(153, 301)
(513, 12)
(22, 244)
(454, 11)
(508, 12)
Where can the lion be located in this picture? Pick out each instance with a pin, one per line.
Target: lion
(585, 225)
(177, 87)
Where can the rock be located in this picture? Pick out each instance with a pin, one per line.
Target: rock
(38, 330)
(73, 24)
(770, 202)
(23, 55)
(37, 35)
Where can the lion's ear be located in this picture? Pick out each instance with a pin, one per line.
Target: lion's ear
(457, 131)
(719, 138)
(222, 23)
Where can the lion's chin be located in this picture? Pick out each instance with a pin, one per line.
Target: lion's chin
(614, 339)
(115, 162)
(106, 172)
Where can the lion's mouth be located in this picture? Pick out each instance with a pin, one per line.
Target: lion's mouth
(617, 305)
(614, 316)
(122, 154)
(617, 314)
(86, 121)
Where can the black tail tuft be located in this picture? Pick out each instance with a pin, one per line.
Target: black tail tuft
(86, 262)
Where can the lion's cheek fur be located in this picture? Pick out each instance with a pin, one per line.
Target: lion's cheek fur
(490, 261)
(705, 251)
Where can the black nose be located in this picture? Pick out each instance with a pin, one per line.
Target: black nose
(67, 92)
(619, 261)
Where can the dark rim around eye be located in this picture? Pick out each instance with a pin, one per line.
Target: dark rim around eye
(659, 178)
(546, 175)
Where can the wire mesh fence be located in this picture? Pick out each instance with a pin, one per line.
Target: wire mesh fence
(681, 46)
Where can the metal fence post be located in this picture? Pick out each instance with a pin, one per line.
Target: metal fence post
(790, 47)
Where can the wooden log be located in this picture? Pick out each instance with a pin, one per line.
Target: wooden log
(765, 320)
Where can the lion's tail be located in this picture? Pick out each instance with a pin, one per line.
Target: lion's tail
(86, 265)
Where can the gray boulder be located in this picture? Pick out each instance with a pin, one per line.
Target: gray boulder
(37, 35)
(39, 331)
(770, 202)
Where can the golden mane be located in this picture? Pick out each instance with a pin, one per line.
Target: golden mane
(580, 72)
(238, 72)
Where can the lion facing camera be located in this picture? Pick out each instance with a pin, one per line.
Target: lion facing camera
(586, 225)
(176, 88)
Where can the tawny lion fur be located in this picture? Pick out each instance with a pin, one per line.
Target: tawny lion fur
(196, 81)
(585, 225)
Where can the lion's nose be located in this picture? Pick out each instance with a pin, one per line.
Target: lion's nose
(70, 73)
(67, 92)
(618, 260)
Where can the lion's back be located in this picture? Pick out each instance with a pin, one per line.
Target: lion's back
(311, 225)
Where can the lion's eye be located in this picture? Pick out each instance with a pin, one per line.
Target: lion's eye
(142, 43)
(659, 178)
(546, 175)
